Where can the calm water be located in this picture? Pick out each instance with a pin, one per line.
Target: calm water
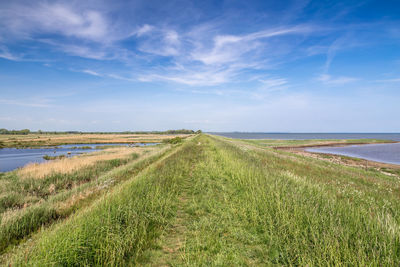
(12, 158)
(303, 136)
(387, 153)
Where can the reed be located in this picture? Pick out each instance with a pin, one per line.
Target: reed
(70, 165)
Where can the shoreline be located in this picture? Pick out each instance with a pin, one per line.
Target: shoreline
(335, 144)
(345, 160)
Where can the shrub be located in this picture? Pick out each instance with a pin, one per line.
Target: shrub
(175, 140)
(47, 157)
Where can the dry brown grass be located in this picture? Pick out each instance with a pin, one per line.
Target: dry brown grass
(57, 139)
(69, 165)
(75, 198)
(8, 215)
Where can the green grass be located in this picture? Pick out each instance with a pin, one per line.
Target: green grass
(310, 142)
(18, 192)
(121, 225)
(392, 171)
(108, 146)
(222, 202)
(175, 140)
(47, 157)
(33, 206)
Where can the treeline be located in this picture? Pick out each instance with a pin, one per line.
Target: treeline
(182, 131)
(27, 131)
(23, 131)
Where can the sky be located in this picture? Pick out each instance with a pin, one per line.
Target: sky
(253, 66)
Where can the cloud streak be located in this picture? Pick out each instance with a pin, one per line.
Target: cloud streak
(36, 103)
(341, 80)
(91, 72)
(5, 53)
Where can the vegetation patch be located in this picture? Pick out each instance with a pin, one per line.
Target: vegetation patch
(175, 140)
(47, 157)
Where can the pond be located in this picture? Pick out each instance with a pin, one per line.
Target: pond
(386, 153)
(13, 158)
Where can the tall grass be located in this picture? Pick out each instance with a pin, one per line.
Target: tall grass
(19, 192)
(120, 225)
(17, 223)
(62, 165)
(262, 208)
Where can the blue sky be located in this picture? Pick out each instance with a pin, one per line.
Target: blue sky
(287, 66)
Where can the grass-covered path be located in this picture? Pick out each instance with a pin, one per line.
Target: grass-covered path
(215, 202)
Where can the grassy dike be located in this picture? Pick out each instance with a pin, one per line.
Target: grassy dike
(17, 224)
(220, 202)
(120, 225)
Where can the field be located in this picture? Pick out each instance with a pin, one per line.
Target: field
(206, 201)
(38, 140)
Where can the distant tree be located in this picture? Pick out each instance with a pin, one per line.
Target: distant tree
(24, 131)
(5, 131)
(182, 131)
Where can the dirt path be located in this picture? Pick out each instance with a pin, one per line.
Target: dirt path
(173, 240)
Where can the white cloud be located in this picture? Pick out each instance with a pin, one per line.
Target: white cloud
(36, 102)
(200, 55)
(191, 78)
(161, 42)
(91, 72)
(68, 27)
(210, 60)
(28, 20)
(331, 53)
(146, 28)
(5, 53)
(84, 51)
(172, 37)
(231, 48)
(273, 83)
(119, 77)
(268, 87)
(329, 80)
